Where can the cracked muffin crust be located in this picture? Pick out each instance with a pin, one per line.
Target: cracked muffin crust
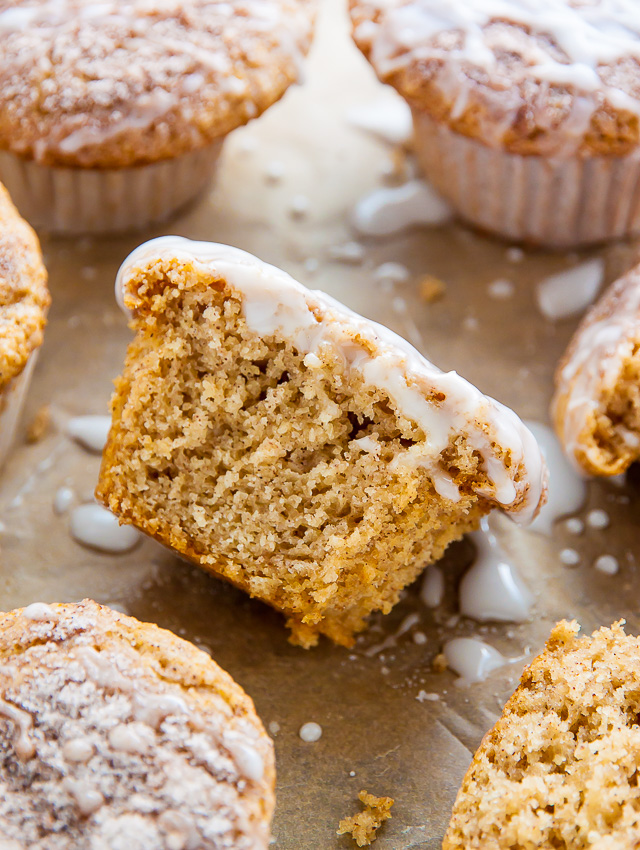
(117, 734)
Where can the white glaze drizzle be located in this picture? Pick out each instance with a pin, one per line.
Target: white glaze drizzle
(570, 292)
(388, 118)
(432, 588)
(388, 211)
(90, 431)
(596, 356)
(492, 588)
(23, 722)
(273, 302)
(39, 612)
(472, 659)
(95, 526)
(587, 34)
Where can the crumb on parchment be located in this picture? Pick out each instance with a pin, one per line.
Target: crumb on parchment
(39, 424)
(363, 826)
(431, 288)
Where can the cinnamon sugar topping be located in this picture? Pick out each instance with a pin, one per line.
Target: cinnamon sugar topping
(159, 77)
(96, 743)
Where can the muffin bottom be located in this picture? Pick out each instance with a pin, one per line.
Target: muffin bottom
(12, 399)
(72, 201)
(555, 202)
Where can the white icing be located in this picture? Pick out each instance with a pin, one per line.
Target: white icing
(387, 211)
(153, 709)
(574, 525)
(133, 737)
(95, 526)
(388, 118)
(90, 431)
(588, 35)
(310, 732)
(607, 564)
(493, 589)
(567, 489)
(472, 659)
(77, 750)
(39, 612)
(273, 302)
(88, 800)
(247, 759)
(349, 252)
(599, 351)
(432, 588)
(62, 500)
(391, 641)
(299, 206)
(515, 254)
(598, 518)
(571, 292)
(501, 289)
(427, 696)
(569, 557)
(23, 722)
(391, 272)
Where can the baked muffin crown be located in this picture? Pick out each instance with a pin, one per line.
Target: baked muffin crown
(128, 83)
(24, 297)
(118, 731)
(554, 77)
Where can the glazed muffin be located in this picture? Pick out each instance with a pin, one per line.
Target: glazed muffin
(117, 734)
(286, 444)
(526, 119)
(24, 299)
(596, 407)
(112, 115)
(559, 769)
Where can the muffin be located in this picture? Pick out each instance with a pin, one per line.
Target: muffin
(596, 406)
(286, 444)
(112, 116)
(560, 767)
(526, 120)
(117, 734)
(24, 299)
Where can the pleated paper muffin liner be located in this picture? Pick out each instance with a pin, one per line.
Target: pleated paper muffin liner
(558, 202)
(72, 201)
(12, 399)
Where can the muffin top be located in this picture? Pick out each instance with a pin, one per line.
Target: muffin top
(111, 84)
(118, 734)
(532, 76)
(24, 296)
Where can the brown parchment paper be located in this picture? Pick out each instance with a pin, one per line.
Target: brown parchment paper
(376, 734)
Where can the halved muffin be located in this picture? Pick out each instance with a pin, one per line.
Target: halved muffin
(298, 450)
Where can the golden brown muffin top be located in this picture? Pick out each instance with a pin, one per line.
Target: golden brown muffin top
(117, 733)
(534, 76)
(24, 297)
(110, 84)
